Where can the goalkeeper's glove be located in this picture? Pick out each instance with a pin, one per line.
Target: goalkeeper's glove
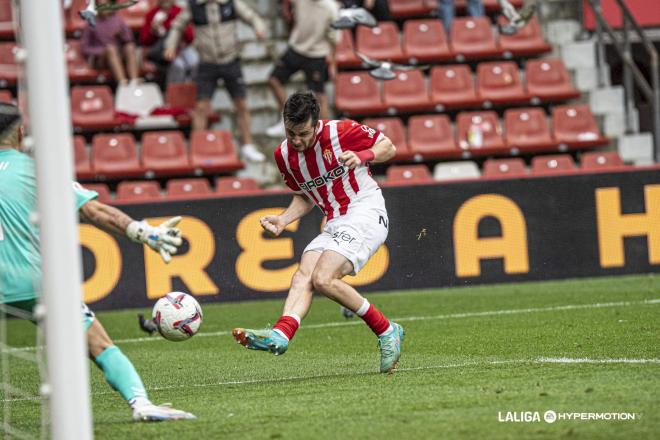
(164, 238)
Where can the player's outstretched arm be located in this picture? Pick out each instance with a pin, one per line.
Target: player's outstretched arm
(164, 239)
(299, 207)
(382, 151)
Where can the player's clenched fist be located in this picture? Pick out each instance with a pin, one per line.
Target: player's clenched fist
(273, 224)
(352, 159)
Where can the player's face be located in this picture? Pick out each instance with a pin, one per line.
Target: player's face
(300, 136)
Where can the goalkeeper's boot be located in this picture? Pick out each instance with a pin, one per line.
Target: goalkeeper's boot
(390, 348)
(154, 413)
(264, 339)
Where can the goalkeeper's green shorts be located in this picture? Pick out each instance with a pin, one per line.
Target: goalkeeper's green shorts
(28, 306)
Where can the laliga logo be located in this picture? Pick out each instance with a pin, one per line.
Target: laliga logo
(550, 416)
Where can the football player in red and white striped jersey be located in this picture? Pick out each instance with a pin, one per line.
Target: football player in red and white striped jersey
(325, 163)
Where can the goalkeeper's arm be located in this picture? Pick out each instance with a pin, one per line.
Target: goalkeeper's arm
(165, 238)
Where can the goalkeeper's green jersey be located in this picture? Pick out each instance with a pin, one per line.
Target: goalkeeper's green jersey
(20, 262)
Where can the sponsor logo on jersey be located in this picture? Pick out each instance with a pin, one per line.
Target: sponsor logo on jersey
(324, 179)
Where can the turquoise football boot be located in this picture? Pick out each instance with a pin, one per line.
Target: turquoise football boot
(390, 348)
(264, 339)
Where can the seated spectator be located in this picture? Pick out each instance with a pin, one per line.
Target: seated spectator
(106, 42)
(475, 8)
(157, 24)
(380, 9)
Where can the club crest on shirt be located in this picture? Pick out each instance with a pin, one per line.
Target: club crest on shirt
(327, 155)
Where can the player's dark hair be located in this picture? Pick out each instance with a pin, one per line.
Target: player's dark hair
(300, 107)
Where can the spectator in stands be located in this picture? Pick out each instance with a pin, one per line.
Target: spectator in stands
(380, 9)
(311, 43)
(157, 24)
(106, 42)
(215, 23)
(475, 8)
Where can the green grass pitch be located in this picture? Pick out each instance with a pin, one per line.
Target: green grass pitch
(470, 355)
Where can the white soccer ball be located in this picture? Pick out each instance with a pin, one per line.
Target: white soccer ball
(177, 315)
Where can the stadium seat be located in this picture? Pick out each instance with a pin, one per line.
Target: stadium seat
(431, 137)
(479, 133)
(526, 129)
(345, 53)
(115, 155)
(6, 20)
(381, 42)
(8, 66)
(498, 83)
(605, 161)
(453, 87)
(82, 162)
(408, 174)
(504, 168)
(574, 126)
(236, 186)
(410, 8)
(188, 187)
(73, 23)
(463, 170)
(134, 15)
(489, 5)
(181, 95)
(213, 151)
(425, 41)
(92, 108)
(553, 164)
(165, 153)
(407, 93)
(102, 189)
(472, 38)
(6, 96)
(548, 80)
(393, 129)
(357, 93)
(526, 42)
(79, 70)
(138, 191)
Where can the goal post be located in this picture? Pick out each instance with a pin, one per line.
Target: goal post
(41, 32)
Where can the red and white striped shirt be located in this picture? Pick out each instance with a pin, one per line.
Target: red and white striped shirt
(317, 173)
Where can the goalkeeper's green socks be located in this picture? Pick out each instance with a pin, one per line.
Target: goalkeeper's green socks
(121, 375)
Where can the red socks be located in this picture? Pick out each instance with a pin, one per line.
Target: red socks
(287, 325)
(373, 317)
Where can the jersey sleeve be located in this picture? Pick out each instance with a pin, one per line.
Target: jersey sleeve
(357, 137)
(286, 175)
(83, 195)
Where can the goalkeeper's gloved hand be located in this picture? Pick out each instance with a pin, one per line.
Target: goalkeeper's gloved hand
(164, 238)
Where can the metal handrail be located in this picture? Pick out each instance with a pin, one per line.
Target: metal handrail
(631, 70)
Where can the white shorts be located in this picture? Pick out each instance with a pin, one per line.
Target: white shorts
(356, 235)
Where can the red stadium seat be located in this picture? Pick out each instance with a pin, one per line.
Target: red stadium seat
(499, 83)
(78, 67)
(526, 129)
(425, 41)
(553, 164)
(183, 96)
(165, 153)
(605, 161)
(504, 168)
(8, 66)
(345, 54)
(408, 174)
(102, 189)
(138, 191)
(213, 151)
(92, 108)
(6, 20)
(73, 23)
(5, 96)
(574, 126)
(236, 186)
(431, 137)
(393, 129)
(115, 155)
(527, 41)
(82, 162)
(472, 38)
(134, 15)
(453, 87)
(407, 93)
(479, 133)
(381, 42)
(548, 80)
(410, 8)
(490, 5)
(357, 93)
(188, 187)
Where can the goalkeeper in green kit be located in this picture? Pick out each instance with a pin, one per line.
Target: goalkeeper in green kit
(20, 262)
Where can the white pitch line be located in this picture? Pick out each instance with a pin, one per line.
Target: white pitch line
(537, 361)
(653, 301)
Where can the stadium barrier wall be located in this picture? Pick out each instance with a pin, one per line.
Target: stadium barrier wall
(441, 235)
